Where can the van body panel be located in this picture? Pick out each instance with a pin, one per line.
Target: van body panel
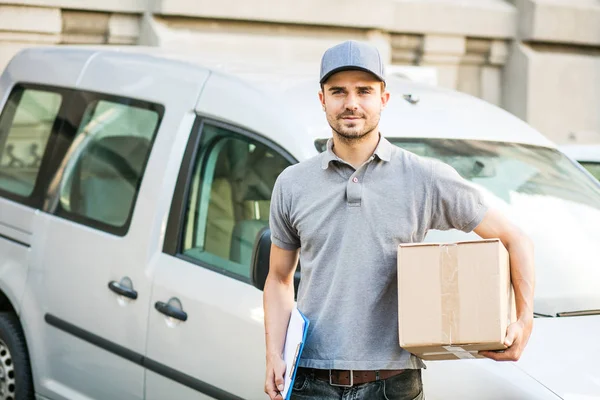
(13, 270)
(16, 224)
(144, 77)
(49, 66)
(222, 341)
(259, 111)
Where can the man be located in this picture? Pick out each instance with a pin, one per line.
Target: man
(343, 213)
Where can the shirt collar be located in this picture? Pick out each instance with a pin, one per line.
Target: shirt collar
(328, 155)
(383, 151)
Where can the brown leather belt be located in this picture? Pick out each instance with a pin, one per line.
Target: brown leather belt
(348, 378)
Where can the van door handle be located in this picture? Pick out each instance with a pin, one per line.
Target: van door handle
(122, 290)
(170, 311)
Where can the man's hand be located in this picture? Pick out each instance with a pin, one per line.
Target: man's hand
(275, 373)
(278, 301)
(517, 336)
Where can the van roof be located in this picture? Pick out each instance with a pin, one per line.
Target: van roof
(429, 112)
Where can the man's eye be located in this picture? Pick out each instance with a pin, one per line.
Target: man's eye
(337, 92)
(364, 91)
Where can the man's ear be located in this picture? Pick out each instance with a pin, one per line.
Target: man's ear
(322, 99)
(385, 97)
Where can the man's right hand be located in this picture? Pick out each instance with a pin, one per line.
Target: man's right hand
(278, 303)
(275, 373)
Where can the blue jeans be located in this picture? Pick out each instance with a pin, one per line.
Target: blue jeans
(406, 386)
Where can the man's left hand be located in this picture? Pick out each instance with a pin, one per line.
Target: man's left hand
(517, 336)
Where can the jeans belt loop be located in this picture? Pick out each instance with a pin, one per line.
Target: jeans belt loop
(338, 385)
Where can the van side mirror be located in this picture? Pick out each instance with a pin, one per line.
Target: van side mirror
(261, 254)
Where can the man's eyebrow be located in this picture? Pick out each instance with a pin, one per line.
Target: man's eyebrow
(333, 88)
(365, 88)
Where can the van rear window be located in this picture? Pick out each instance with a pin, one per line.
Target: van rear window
(25, 128)
(106, 162)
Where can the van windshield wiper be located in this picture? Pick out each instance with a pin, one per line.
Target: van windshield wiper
(540, 315)
(578, 313)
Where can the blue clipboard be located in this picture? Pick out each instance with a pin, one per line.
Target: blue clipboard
(298, 339)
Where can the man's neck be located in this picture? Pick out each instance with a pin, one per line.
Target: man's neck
(356, 152)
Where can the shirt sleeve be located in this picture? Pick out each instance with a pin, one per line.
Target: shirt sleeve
(456, 203)
(283, 234)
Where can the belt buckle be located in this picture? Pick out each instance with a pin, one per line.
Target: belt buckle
(338, 385)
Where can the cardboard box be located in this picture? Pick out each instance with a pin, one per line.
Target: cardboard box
(454, 299)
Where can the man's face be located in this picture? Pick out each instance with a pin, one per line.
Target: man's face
(353, 101)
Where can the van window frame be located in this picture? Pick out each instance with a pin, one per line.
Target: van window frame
(81, 99)
(46, 170)
(173, 242)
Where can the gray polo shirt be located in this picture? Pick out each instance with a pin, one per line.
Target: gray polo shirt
(348, 224)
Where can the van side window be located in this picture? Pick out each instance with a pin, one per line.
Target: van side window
(104, 165)
(229, 199)
(25, 127)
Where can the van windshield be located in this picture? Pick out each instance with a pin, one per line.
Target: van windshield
(545, 194)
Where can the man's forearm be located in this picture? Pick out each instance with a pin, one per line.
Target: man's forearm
(522, 273)
(278, 302)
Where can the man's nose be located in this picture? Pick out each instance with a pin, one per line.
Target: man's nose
(351, 102)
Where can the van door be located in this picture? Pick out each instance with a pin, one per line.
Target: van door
(205, 331)
(88, 280)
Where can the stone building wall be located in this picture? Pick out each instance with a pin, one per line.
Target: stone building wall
(539, 59)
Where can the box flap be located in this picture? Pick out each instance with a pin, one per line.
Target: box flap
(425, 244)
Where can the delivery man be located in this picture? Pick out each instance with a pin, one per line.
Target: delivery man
(343, 213)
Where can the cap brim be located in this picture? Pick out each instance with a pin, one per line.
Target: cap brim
(349, 68)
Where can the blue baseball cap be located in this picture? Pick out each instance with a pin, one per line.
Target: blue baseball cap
(352, 55)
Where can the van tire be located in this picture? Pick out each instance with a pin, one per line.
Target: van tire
(16, 381)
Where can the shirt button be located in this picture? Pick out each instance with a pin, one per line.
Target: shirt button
(355, 179)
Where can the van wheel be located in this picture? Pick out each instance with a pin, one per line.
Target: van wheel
(15, 371)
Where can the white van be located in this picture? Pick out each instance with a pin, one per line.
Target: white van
(133, 188)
